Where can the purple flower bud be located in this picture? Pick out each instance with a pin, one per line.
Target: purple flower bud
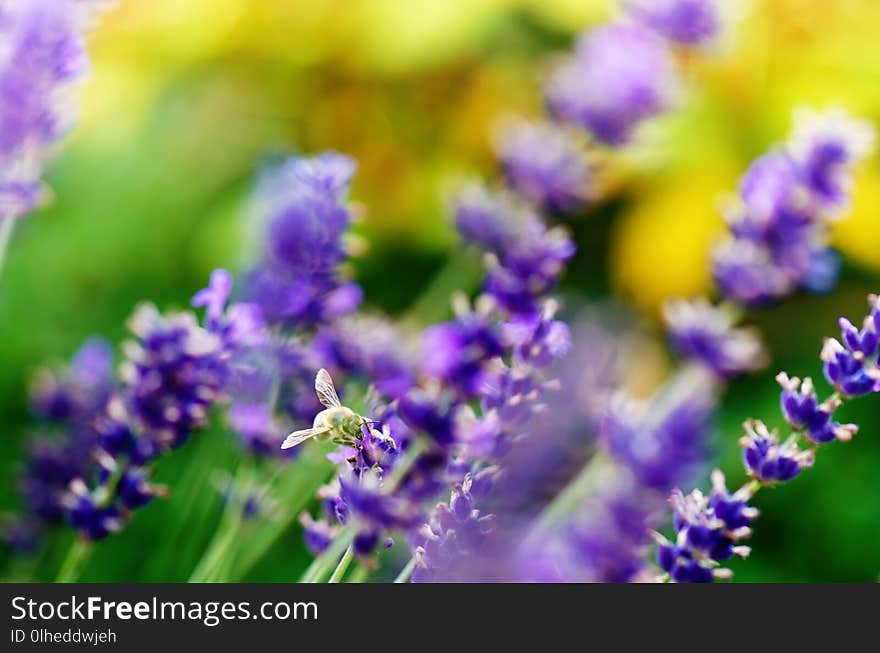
(767, 460)
(318, 534)
(301, 206)
(803, 411)
(708, 530)
(456, 352)
(846, 371)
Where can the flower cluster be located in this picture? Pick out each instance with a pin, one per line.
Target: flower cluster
(778, 239)
(42, 56)
(778, 230)
(708, 530)
(174, 371)
(705, 333)
(491, 354)
(851, 366)
(303, 217)
(526, 257)
(768, 461)
(456, 530)
(598, 527)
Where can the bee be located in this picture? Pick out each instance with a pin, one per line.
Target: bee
(341, 423)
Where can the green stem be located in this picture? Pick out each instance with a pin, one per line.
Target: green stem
(297, 487)
(342, 567)
(360, 573)
(225, 536)
(406, 572)
(76, 559)
(323, 563)
(6, 226)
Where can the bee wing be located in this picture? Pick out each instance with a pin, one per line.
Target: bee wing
(326, 392)
(298, 437)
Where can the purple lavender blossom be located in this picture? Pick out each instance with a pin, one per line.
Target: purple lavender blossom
(687, 22)
(825, 146)
(74, 394)
(602, 538)
(708, 531)
(706, 335)
(851, 365)
(527, 258)
(370, 347)
(318, 533)
(803, 412)
(455, 531)
(456, 353)
(49, 469)
(42, 55)
(172, 374)
(619, 75)
(547, 164)
(745, 272)
(662, 442)
(213, 298)
(779, 231)
(301, 208)
(767, 460)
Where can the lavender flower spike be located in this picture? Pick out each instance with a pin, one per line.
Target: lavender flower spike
(41, 54)
(779, 231)
(619, 75)
(705, 334)
(708, 531)
(826, 145)
(547, 164)
(303, 217)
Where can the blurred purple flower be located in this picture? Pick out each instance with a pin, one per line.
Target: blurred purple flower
(663, 441)
(825, 146)
(301, 207)
(42, 55)
(705, 334)
(547, 164)
(619, 75)
(687, 22)
(779, 230)
(527, 256)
